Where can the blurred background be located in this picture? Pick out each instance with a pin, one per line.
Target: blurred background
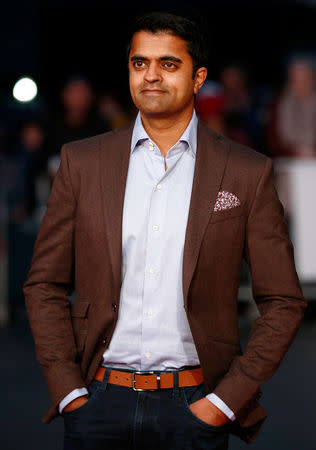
(63, 76)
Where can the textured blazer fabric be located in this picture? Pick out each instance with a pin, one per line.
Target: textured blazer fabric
(234, 214)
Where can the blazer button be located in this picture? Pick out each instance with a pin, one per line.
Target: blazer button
(104, 342)
(114, 307)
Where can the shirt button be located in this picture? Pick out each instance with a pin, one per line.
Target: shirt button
(151, 270)
(155, 228)
(147, 355)
(150, 312)
(151, 146)
(158, 187)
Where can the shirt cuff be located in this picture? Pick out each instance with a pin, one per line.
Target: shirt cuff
(221, 405)
(79, 392)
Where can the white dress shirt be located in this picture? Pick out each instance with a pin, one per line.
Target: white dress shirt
(152, 330)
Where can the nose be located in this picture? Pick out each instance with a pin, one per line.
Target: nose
(153, 74)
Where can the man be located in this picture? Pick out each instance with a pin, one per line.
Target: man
(150, 224)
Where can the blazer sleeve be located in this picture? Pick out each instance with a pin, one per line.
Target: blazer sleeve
(276, 290)
(50, 280)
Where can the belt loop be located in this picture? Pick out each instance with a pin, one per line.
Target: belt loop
(105, 379)
(176, 390)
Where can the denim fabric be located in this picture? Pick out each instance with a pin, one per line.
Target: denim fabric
(117, 418)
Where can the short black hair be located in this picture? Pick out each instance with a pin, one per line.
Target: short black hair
(192, 32)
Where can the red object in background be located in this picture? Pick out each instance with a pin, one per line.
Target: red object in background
(208, 105)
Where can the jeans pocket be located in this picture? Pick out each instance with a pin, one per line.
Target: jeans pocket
(193, 394)
(93, 393)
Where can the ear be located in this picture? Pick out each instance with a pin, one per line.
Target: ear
(199, 78)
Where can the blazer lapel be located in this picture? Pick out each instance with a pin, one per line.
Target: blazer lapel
(114, 161)
(211, 158)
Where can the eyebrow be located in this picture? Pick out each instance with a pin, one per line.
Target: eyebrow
(162, 58)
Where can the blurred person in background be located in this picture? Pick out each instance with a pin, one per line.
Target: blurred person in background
(79, 118)
(150, 224)
(210, 106)
(29, 160)
(112, 111)
(291, 125)
(292, 120)
(243, 112)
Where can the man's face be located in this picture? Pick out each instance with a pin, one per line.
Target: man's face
(160, 74)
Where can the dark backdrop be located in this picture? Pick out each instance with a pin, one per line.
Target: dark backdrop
(51, 39)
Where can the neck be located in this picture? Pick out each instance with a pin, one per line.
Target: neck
(165, 132)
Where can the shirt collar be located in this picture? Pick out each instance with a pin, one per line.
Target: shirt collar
(189, 136)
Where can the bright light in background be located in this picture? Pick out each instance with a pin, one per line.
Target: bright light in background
(25, 90)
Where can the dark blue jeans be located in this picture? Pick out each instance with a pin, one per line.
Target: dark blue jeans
(119, 418)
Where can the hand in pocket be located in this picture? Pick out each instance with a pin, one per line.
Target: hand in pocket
(76, 403)
(208, 412)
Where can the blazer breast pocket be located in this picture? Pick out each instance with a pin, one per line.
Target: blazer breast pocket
(79, 318)
(226, 214)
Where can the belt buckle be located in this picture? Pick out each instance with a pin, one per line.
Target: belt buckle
(150, 372)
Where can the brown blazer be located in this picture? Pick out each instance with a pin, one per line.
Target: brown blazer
(79, 246)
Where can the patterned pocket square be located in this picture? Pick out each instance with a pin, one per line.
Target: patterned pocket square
(226, 200)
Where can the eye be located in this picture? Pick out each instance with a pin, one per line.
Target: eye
(138, 64)
(169, 65)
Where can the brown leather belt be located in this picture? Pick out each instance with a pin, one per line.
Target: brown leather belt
(144, 381)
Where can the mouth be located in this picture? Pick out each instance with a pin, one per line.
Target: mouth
(153, 91)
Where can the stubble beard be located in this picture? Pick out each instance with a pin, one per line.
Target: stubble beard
(154, 107)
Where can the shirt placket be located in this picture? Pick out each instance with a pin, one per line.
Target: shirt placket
(155, 225)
